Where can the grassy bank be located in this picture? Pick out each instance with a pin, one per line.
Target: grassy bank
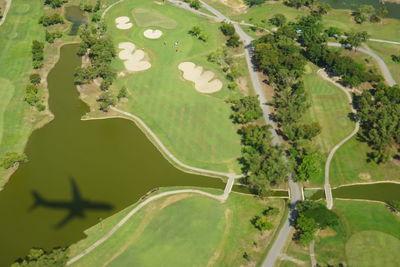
(17, 118)
(184, 229)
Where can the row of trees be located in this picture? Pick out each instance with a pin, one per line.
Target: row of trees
(48, 20)
(100, 50)
(55, 3)
(199, 33)
(314, 38)
(229, 31)
(263, 163)
(37, 54)
(91, 8)
(368, 12)
(38, 257)
(378, 111)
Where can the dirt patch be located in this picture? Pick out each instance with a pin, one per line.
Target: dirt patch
(364, 176)
(326, 232)
(173, 199)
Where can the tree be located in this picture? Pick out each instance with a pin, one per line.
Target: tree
(278, 20)
(262, 223)
(309, 167)
(252, 3)
(195, 31)
(106, 100)
(312, 216)
(37, 54)
(35, 78)
(195, 4)
(354, 39)
(394, 205)
(55, 3)
(31, 94)
(396, 58)
(334, 32)
(9, 159)
(51, 20)
(233, 41)
(38, 257)
(246, 109)
(123, 93)
(227, 29)
(51, 36)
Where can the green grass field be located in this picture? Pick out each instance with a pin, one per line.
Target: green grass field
(385, 51)
(369, 235)
(350, 165)
(185, 230)
(330, 108)
(17, 118)
(195, 127)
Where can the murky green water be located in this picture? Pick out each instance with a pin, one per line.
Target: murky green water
(78, 172)
(394, 9)
(76, 16)
(377, 191)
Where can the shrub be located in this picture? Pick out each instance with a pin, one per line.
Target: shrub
(11, 158)
(35, 78)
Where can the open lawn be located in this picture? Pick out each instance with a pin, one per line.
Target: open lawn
(369, 235)
(183, 229)
(388, 29)
(195, 127)
(17, 118)
(385, 51)
(350, 165)
(330, 108)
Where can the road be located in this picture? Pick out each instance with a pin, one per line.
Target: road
(384, 69)
(295, 194)
(5, 12)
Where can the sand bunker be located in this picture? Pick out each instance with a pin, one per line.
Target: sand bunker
(152, 34)
(202, 80)
(123, 23)
(133, 58)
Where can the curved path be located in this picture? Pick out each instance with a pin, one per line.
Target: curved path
(8, 5)
(153, 137)
(100, 241)
(327, 186)
(382, 65)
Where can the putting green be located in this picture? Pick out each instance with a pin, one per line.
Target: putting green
(372, 248)
(145, 17)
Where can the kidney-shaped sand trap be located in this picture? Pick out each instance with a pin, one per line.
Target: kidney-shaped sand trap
(152, 34)
(202, 80)
(123, 23)
(133, 59)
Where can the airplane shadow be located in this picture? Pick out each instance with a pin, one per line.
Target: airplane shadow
(76, 208)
